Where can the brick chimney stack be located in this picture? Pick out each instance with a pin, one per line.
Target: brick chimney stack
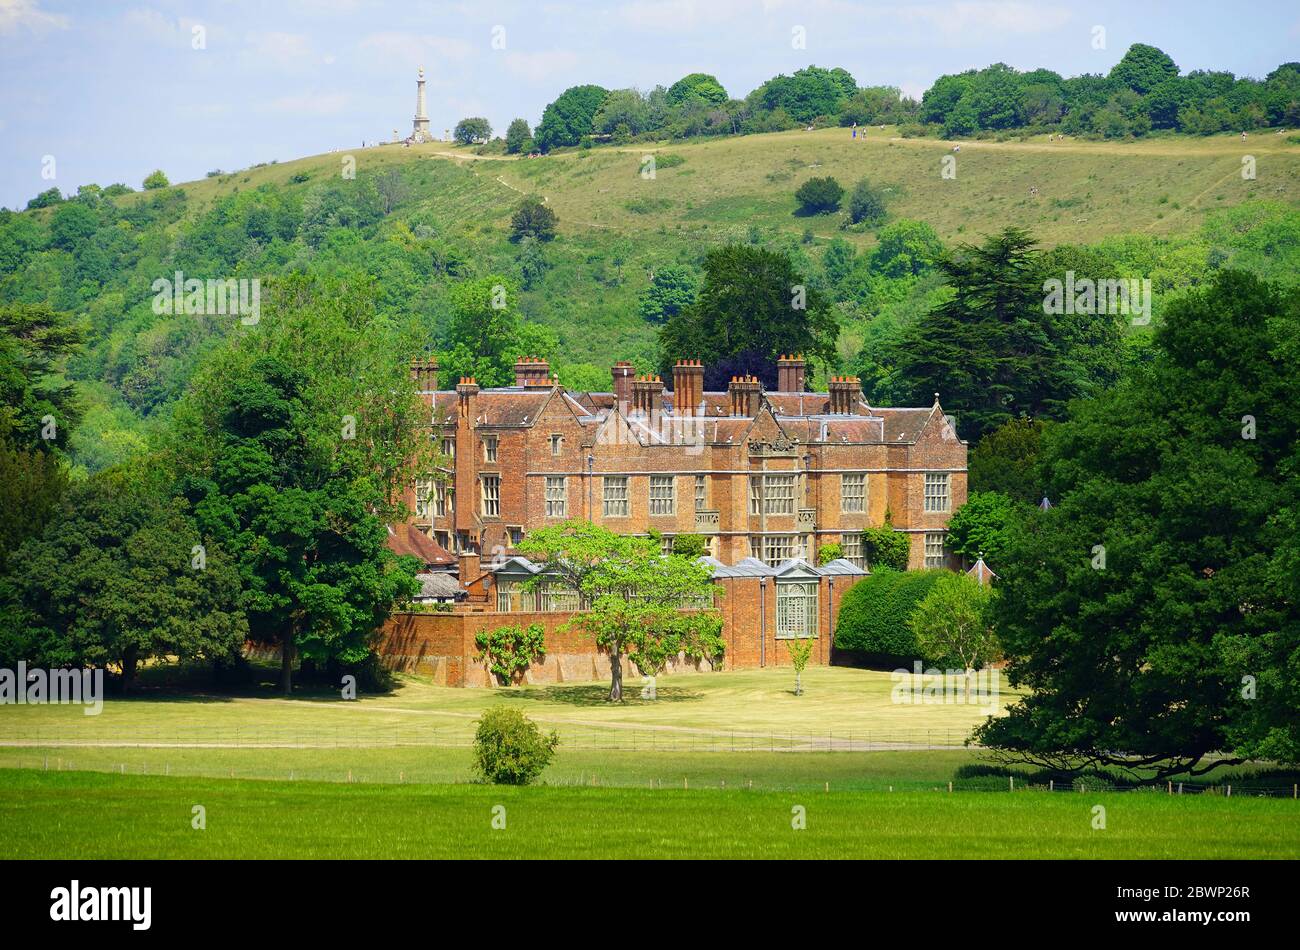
(465, 479)
(623, 374)
(468, 566)
(744, 392)
(688, 388)
(467, 389)
(790, 374)
(532, 371)
(844, 393)
(646, 393)
(425, 374)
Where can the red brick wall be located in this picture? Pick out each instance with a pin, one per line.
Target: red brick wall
(442, 645)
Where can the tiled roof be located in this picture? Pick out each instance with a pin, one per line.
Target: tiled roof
(404, 539)
(804, 416)
(903, 425)
(440, 584)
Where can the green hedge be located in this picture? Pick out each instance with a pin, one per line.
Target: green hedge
(874, 613)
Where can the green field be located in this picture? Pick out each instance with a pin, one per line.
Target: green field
(1086, 189)
(712, 767)
(744, 710)
(87, 815)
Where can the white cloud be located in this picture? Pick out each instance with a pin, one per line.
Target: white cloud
(27, 14)
(415, 49)
(912, 90)
(982, 19)
(164, 29)
(536, 67)
(279, 46)
(688, 14)
(325, 104)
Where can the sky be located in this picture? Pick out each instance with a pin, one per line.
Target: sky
(103, 91)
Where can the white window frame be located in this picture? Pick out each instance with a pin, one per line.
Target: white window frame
(662, 495)
(934, 552)
(938, 491)
(778, 494)
(557, 496)
(851, 548)
(490, 446)
(796, 610)
(853, 492)
(614, 499)
(557, 444)
(779, 548)
(701, 492)
(491, 496)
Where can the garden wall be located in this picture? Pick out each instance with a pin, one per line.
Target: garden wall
(441, 645)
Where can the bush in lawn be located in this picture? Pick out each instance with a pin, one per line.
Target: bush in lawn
(509, 749)
(819, 195)
(867, 204)
(875, 614)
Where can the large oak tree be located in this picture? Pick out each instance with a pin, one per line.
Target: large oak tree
(1153, 614)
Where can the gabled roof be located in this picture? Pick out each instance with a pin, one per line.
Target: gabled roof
(404, 539)
(842, 566)
(516, 564)
(796, 567)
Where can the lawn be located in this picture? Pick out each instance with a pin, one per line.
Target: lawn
(88, 815)
(746, 710)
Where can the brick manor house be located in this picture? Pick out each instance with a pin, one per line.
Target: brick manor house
(761, 474)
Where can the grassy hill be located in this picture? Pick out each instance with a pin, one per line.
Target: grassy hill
(1086, 189)
(1168, 207)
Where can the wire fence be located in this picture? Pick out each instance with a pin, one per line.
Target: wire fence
(407, 754)
(645, 774)
(577, 736)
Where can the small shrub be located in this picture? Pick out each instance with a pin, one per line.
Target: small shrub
(819, 195)
(509, 749)
(155, 180)
(669, 160)
(867, 204)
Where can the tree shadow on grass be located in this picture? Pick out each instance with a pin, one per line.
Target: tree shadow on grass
(596, 694)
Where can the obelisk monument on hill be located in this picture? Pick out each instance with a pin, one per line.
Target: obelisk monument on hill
(420, 131)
